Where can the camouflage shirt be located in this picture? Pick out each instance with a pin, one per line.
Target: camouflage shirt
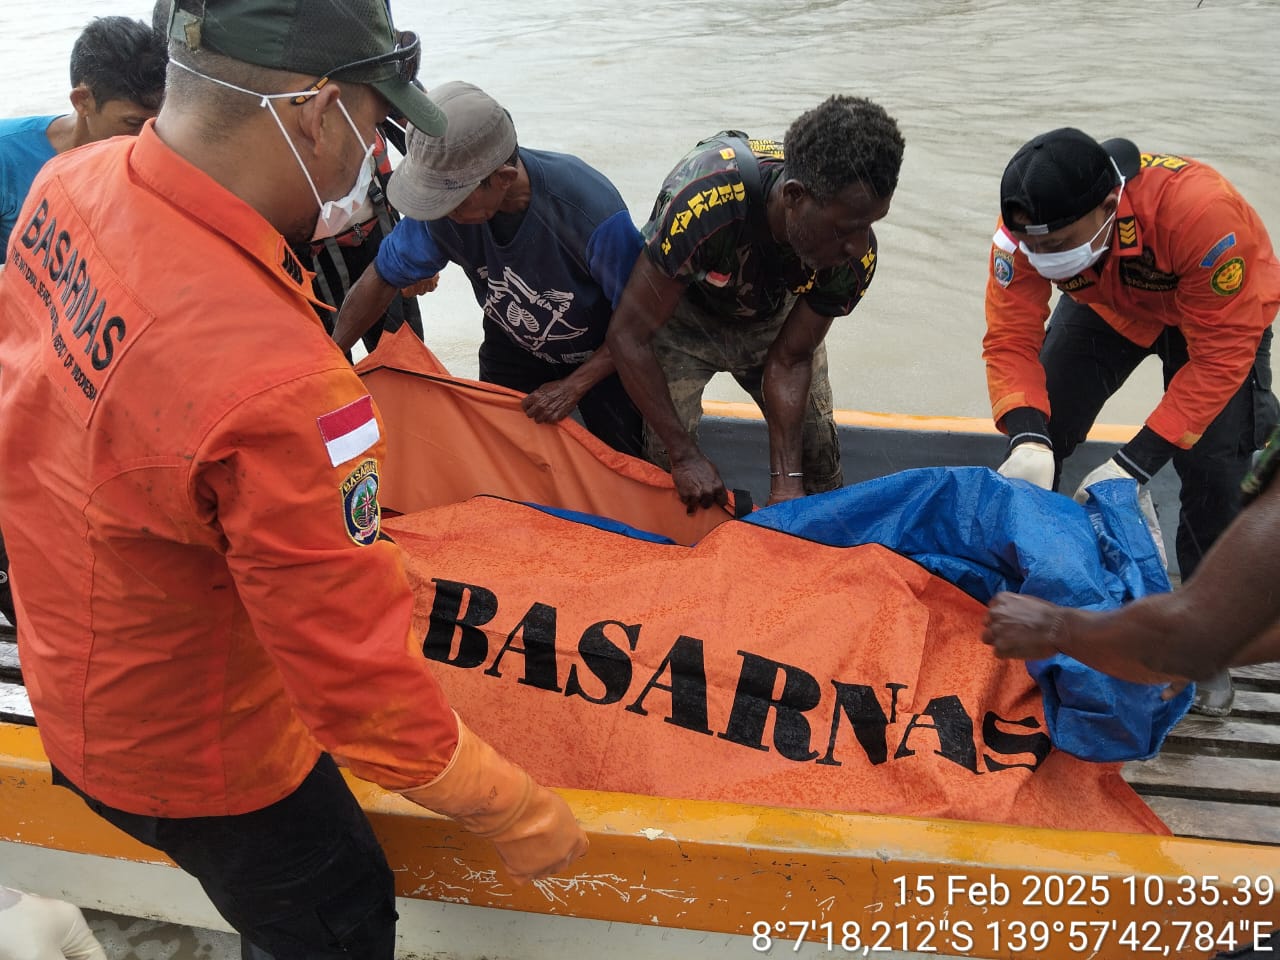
(700, 233)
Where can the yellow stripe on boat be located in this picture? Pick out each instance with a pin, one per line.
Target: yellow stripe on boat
(742, 410)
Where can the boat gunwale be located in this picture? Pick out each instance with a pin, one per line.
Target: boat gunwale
(725, 867)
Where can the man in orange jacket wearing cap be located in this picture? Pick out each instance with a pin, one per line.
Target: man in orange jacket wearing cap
(1154, 254)
(210, 615)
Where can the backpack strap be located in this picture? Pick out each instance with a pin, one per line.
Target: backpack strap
(749, 170)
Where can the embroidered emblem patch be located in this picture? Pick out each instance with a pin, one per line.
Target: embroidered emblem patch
(766, 148)
(360, 507)
(1228, 278)
(1002, 268)
(1142, 273)
(1218, 249)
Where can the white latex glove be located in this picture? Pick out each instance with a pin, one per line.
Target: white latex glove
(1148, 508)
(1032, 462)
(36, 928)
(1110, 470)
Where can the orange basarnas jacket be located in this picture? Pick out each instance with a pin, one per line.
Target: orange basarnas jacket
(190, 505)
(1186, 251)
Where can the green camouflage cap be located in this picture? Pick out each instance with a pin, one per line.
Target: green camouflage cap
(351, 40)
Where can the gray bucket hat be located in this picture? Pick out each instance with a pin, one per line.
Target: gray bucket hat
(439, 172)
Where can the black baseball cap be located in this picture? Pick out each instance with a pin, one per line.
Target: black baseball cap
(1055, 179)
(352, 40)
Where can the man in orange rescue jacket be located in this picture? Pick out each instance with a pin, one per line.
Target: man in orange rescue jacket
(1154, 255)
(210, 616)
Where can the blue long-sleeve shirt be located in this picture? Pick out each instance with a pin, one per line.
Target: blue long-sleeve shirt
(24, 149)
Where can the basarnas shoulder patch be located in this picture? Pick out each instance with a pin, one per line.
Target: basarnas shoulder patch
(1228, 278)
(360, 508)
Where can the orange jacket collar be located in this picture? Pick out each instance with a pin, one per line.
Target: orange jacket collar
(205, 200)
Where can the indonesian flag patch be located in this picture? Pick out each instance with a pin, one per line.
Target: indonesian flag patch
(349, 431)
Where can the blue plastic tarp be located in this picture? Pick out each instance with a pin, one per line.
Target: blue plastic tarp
(986, 534)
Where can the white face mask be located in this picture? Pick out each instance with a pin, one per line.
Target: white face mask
(1065, 264)
(335, 215)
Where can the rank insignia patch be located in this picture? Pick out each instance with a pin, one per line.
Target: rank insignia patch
(1127, 231)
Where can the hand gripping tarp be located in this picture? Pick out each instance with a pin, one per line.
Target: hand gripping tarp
(449, 439)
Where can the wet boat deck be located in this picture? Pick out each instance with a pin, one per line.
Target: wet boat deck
(129, 938)
(1219, 779)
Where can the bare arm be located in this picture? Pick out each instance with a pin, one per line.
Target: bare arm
(422, 286)
(1264, 648)
(554, 401)
(648, 301)
(788, 370)
(365, 302)
(1227, 613)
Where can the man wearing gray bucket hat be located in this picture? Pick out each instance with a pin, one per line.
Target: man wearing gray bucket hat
(211, 617)
(547, 244)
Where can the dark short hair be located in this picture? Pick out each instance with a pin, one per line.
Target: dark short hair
(842, 141)
(119, 58)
